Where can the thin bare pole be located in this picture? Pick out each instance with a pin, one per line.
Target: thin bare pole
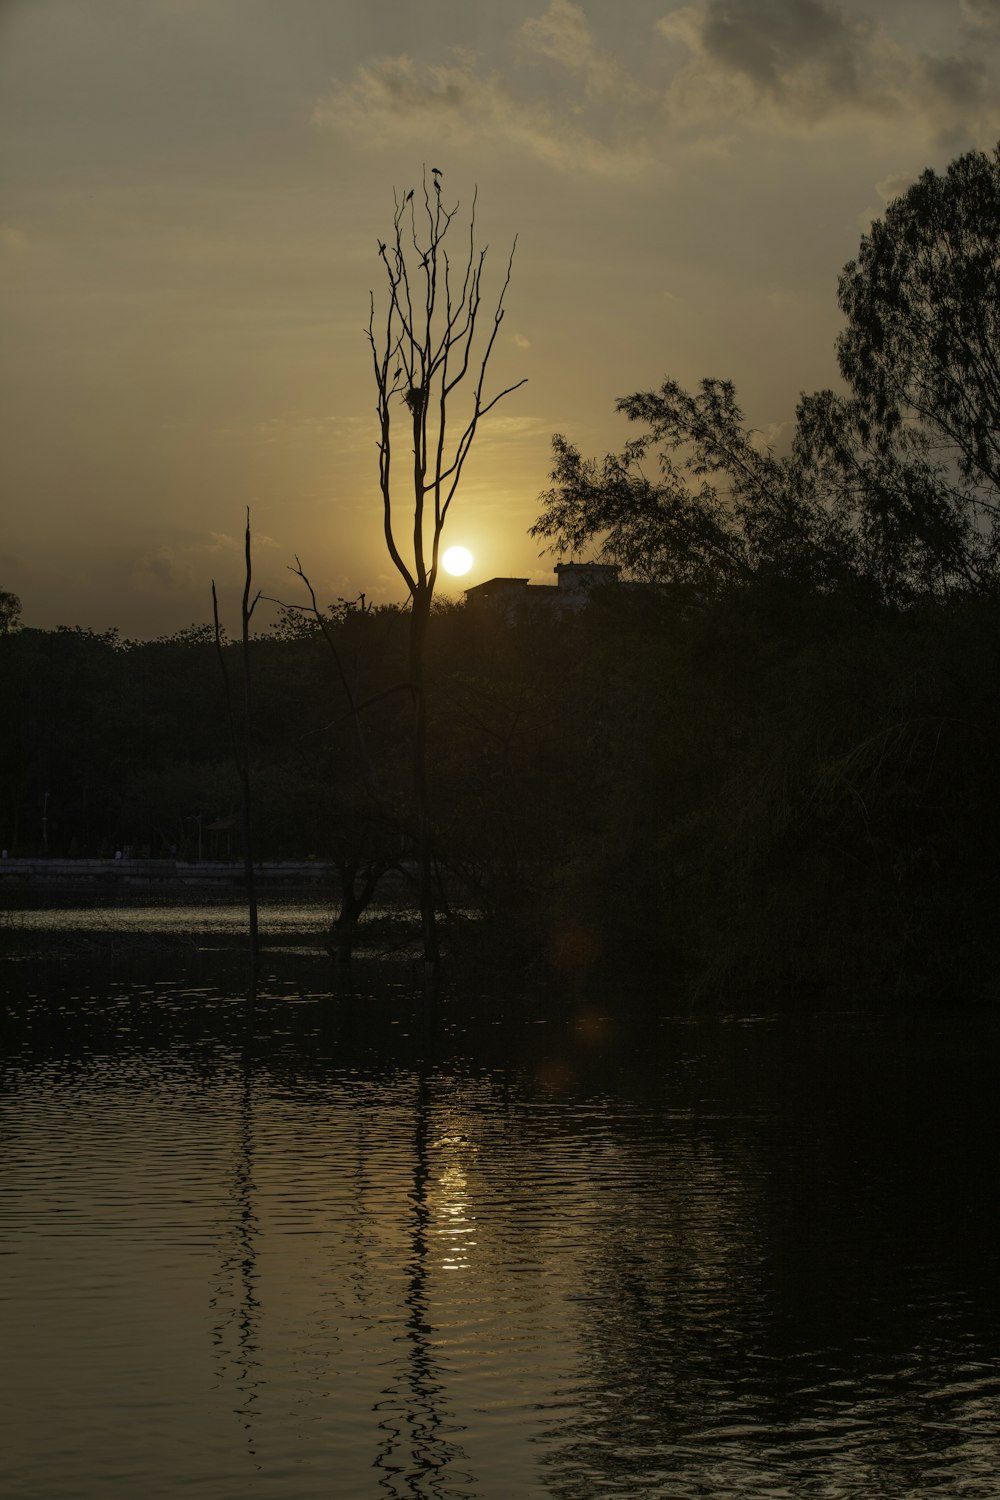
(240, 743)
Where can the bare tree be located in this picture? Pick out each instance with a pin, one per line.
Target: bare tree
(240, 738)
(361, 861)
(430, 356)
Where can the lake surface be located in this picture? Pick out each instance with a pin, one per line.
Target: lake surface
(564, 1247)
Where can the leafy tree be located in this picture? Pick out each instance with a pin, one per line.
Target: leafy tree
(10, 612)
(162, 806)
(62, 751)
(331, 762)
(921, 350)
(722, 510)
(904, 527)
(893, 490)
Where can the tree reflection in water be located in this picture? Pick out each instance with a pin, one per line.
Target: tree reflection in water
(711, 1259)
(416, 1457)
(234, 1302)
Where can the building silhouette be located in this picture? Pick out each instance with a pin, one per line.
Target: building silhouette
(515, 597)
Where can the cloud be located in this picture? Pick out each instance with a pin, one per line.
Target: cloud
(221, 541)
(392, 99)
(958, 81)
(801, 59)
(778, 65)
(809, 62)
(160, 573)
(182, 569)
(499, 432)
(392, 92)
(961, 96)
(893, 187)
(982, 12)
(563, 35)
(768, 438)
(13, 241)
(781, 44)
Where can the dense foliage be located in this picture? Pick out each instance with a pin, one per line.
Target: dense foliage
(839, 601)
(892, 489)
(777, 795)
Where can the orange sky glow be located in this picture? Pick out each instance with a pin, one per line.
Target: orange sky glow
(194, 190)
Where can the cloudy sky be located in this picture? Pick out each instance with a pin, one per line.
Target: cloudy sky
(192, 195)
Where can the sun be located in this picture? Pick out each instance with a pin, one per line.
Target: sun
(457, 560)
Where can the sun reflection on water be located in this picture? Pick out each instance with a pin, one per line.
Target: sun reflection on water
(455, 1222)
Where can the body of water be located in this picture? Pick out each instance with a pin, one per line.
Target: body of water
(531, 1246)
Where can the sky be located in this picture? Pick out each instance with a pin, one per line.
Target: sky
(191, 198)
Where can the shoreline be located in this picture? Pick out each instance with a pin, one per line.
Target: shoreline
(153, 874)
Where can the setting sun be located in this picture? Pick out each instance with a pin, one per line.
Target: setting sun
(457, 560)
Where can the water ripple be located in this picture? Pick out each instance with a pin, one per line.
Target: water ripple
(290, 1262)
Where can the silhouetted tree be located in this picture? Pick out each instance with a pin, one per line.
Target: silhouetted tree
(362, 823)
(909, 531)
(892, 490)
(723, 509)
(66, 733)
(425, 348)
(240, 734)
(10, 611)
(921, 350)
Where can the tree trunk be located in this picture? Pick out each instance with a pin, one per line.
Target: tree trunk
(425, 869)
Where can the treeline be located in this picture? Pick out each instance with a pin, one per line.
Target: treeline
(784, 793)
